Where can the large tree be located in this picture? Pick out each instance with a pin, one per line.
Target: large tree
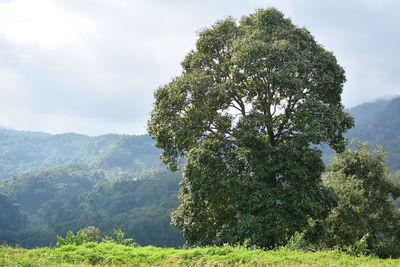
(253, 99)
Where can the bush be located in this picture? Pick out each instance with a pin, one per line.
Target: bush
(359, 247)
(298, 243)
(120, 239)
(71, 239)
(365, 216)
(92, 234)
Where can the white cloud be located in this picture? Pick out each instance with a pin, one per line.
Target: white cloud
(14, 92)
(42, 23)
(91, 66)
(59, 122)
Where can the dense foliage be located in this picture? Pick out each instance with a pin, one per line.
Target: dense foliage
(72, 197)
(139, 207)
(365, 194)
(44, 203)
(11, 219)
(252, 97)
(32, 190)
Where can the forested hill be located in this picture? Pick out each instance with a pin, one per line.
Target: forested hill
(37, 206)
(53, 183)
(15, 132)
(22, 151)
(379, 123)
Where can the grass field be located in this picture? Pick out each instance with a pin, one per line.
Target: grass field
(109, 254)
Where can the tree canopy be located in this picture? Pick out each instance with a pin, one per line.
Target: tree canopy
(365, 194)
(251, 100)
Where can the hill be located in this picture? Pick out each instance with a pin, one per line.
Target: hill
(381, 128)
(365, 112)
(379, 124)
(22, 151)
(37, 206)
(53, 183)
(17, 132)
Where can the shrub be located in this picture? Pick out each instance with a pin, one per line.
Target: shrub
(71, 239)
(120, 239)
(359, 247)
(298, 243)
(91, 234)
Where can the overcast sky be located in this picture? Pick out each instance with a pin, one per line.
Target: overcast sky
(91, 66)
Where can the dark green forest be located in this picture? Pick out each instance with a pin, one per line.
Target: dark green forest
(55, 183)
(42, 204)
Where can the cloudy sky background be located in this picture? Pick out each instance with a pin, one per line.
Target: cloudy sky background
(91, 66)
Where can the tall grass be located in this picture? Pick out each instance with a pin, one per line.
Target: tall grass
(111, 254)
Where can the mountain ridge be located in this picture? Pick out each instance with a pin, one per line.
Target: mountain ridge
(21, 153)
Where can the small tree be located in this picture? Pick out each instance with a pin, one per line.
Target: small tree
(91, 234)
(365, 193)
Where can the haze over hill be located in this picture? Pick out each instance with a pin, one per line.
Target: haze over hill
(379, 123)
(22, 151)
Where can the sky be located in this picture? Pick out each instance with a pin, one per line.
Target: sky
(91, 66)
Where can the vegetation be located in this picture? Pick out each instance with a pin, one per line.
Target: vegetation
(246, 120)
(111, 254)
(11, 219)
(38, 205)
(139, 207)
(384, 129)
(365, 195)
(33, 189)
(72, 197)
(377, 123)
(24, 152)
(92, 234)
(250, 101)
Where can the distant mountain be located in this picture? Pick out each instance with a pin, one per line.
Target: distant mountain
(16, 132)
(365, 112)
(379, 124)
(26, 151)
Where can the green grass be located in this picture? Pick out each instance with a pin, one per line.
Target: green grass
(110, 254)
